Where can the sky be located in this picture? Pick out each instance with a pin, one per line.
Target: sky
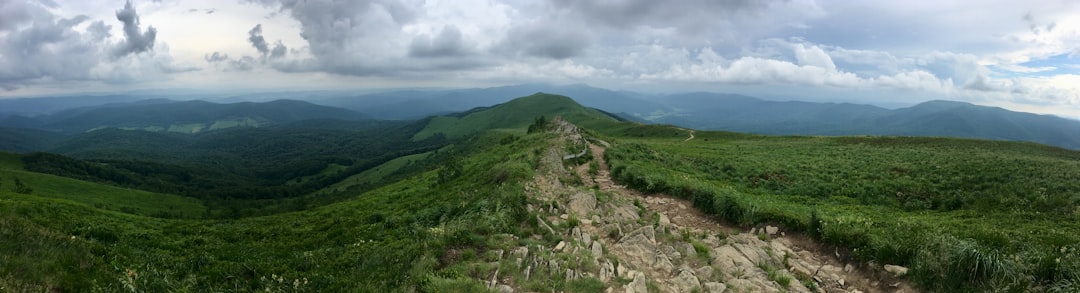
(1020, 55)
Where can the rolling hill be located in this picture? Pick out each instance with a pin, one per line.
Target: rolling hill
(186, 116)
(933, 118)
(515, 115)
(495, 207)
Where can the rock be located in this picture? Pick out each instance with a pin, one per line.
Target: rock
(570, 275)
(770, 230)
(841, 281)
(637, 285)
(729, 260)
(686, 281)
(597, 250)
(527, 271)
(896, 270)
(505, 289)
(607, 271)
(520, 252)
(664, 221)
(714, 287)
(623, 271)
(663, 263)
(644, 231)
(582, 203)
(849, 268)
(596, 219)
(704, 273)
(687, 249)
(560, 246)
(576, 235)
(586, 238)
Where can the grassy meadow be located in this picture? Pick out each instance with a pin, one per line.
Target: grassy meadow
(964, 215)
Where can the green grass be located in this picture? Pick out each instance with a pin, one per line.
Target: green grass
(397, 237)
(377, 174)
(965, 215)
(514, 116)
(98, 195)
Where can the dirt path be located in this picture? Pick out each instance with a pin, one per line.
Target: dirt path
(640, 243)
(691, 136)
(828, 271)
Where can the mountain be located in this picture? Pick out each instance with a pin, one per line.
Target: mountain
(414, 104)
(933, 118)
(188, 116)
(516, 114)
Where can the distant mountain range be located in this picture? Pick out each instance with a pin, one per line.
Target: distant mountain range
(934, 118)
(710, 111)
(178, 116)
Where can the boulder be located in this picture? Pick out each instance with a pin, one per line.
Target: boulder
(896, 270)
(686, 281)
(714, 287)
(582, 203)
(597, 250)
(770, 230)
(607, 271)
(637, 285)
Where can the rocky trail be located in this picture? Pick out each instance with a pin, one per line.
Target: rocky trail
(655, 243)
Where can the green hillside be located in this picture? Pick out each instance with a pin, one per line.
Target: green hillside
(392, 238)
(514, 116)
(354, 209)
(97, 195)
(964, 215)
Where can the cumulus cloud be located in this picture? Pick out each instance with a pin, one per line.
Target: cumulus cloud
(257, 40)
(46, 48)
(134, 40)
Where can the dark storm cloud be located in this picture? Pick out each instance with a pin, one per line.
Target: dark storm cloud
(257, 40)
(447, 43)
(134, 40)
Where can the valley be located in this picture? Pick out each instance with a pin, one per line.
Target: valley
(498, 199)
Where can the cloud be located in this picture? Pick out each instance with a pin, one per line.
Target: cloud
(134, 40)
(279, 50)
(216, 57)
(256, 39)
(538, 39)
(47, 49)
(448, 43)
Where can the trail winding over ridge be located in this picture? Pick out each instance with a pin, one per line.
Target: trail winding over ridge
(634, 242)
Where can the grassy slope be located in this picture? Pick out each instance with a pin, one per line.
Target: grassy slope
(515, 116)
(376, 174)
(391, 238)
(97, 195)
(963, 214)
